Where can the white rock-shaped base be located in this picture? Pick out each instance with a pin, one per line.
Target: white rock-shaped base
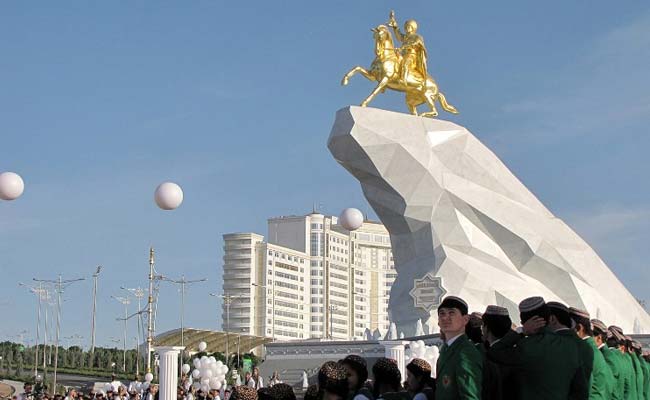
(455, 211)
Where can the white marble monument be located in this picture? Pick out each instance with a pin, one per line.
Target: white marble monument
(461, 223)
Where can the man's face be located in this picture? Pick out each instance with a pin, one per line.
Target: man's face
(154, 389)
(28, 388)
(248, 375)
(451, 321)
(353, 378)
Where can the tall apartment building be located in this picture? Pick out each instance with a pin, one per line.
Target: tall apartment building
(311, 279)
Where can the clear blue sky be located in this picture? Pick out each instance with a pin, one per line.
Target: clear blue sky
(102, 101)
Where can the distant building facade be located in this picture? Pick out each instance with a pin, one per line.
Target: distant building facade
(310, 278)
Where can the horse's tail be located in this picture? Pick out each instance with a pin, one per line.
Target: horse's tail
(446, 106)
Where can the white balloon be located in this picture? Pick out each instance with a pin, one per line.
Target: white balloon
(202, 345)
(351, 219)
(212, 359)
(207, 373)
(145, 385)
(169, 196)
(148, 377)
(217, 386)
(196, 374)
(185, 368)
(11, 186)
(213, 383)
(196, 385)
(219, 363)
(187, 385)
(197, 363)
(205, 388)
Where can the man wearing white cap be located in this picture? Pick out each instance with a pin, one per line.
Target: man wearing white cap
(502, 342)
(601, 385)
(548, 364)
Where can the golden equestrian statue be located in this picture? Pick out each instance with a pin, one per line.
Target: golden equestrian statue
(402, 69)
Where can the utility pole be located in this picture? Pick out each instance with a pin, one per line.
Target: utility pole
(125, 301)
(38, 291)
(227, 300)
(95, 276)
(150, 309)
(138, 293)
(183, 283)
(59, 285)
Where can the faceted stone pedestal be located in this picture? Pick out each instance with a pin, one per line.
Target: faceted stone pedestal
(168, 371)
(461, 222)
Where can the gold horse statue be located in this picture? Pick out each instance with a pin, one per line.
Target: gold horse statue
(388, 70)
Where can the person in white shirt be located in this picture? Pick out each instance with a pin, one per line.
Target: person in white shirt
(257, 379)
(27, 392)
(275, 379)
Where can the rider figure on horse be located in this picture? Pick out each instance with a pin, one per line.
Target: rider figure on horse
(413, 69)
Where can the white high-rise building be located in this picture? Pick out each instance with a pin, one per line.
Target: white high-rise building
(310, 279)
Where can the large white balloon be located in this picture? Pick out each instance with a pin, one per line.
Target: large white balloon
(148, 377)
(207, 373)
(197, 363)
(196, 374)
(351, 219)
(11, 186)
(212, 359)
(185, 368)
(169, 196)
(202, 345)
(196, 385)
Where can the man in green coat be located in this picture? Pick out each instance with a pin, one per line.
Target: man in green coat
(548, 365)
(638, 350)
(617, 342)
(638, 368)
(459, 367)
(613, 362)
(502, 344)
(602, 382)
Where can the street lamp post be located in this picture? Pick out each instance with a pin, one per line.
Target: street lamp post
(38, 291)
(95, 278)
(183, 283)
(59, 285)
(125, 301)
(227, 300)
(139, 294)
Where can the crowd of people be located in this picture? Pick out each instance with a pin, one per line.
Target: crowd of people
(557, 353)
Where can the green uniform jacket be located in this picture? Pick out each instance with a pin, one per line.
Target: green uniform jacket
(503, 354)
(459, 371)
(548, 367)
(638, 373)
(602, 379)
(614, 364)
(585, 351)
(631, 372)
(646, 377)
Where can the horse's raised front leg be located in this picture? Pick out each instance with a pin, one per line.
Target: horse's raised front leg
(379, 88)
(359, 69)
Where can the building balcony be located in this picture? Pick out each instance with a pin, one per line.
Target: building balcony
(235, 285)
